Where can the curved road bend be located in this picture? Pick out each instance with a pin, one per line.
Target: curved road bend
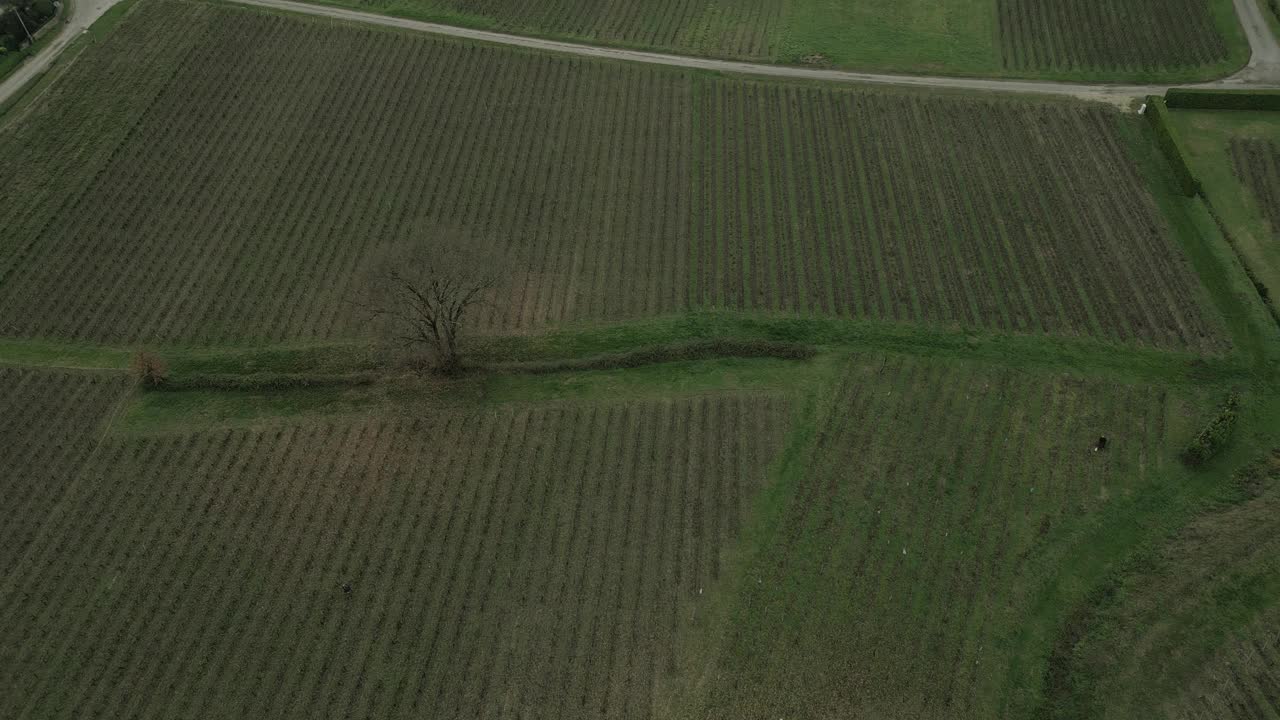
(77, 18)
(1263, 68)
(1264, 62)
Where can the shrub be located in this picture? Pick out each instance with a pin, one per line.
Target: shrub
(1210, 441)
(149, 370)
(1223, 99)
(1158, 114)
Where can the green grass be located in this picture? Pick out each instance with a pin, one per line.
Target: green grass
(1242, 679)
(909, 523)
(1157, 626)
(1271, 11)
(1207, 135)
(985, 478)
(489, 356)
(951, 37)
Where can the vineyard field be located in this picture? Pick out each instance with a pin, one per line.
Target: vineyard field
(1257, 165)
(928, 510)
(744, 29)
(240, 179)
(48, 429)
(1190, 631)
(1135, 35)
(462, 563)
(1241, 682)
(845, 397)
(1234, 155)
(1060, 38)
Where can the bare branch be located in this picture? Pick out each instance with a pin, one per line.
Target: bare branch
(424, 303)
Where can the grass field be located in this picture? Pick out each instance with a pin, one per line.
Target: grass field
(1242, 680)
(1133, 39)
(1234, 155)
(1189, 630)
(236, 182)
(917, 531)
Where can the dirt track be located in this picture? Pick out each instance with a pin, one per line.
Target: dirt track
(1263, 69)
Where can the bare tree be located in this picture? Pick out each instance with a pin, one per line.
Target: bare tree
(148, 369)
(425, 300)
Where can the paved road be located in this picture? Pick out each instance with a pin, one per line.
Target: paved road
(1263, 68)
(79, 16)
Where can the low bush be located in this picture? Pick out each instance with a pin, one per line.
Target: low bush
(1223, 99)
(1210, 441)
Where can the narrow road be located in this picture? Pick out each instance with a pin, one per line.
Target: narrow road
(1265, 58)
(1118, 94)
(1263, 69)
(1264, 63)
(76, 18)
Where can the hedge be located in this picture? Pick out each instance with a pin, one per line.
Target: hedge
(679, 352)
(1158, 114)
(1210, 441)
(1223, 99)
(263, 382)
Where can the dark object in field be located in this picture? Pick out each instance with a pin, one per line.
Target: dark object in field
(346, 588)
(1102, 443)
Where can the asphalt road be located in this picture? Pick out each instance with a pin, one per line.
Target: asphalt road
(1263, 69)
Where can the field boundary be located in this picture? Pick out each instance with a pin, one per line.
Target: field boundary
(1256, 99)
(590, 346)
(1118, 94)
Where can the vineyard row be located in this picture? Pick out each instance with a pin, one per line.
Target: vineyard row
(916, 537)
(464, 565)
(279, 161)
(1257, 165)
(1120, 34)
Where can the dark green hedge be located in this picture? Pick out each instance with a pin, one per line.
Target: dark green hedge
(1210, 441)
(262, 382)
(1223, 99)
(679, 352)
(1158, 115)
